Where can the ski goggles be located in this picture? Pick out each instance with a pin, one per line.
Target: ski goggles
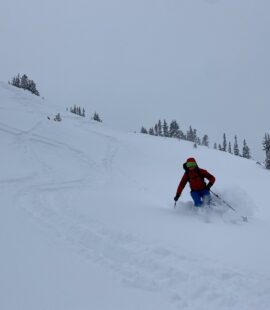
(191, 164)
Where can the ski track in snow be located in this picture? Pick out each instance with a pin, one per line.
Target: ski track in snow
(189, 283)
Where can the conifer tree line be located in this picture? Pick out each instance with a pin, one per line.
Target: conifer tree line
(172, 130)
(81, 112)
(227, 147)
(77, 110)
(25, 83)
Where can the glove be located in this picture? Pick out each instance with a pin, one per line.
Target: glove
(208, 186)
(176, 197)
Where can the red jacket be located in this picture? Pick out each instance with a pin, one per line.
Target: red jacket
(195, 177)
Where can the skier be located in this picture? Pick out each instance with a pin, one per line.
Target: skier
(200, 192)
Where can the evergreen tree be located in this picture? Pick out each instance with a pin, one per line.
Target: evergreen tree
(191, 134)
(58, 117)
(74, 109)
(205, 140)
(81, 112)
(32, 87)
(266, 142)
(267, 160)
(215, 146)
(224, 148)
(16, 81)
(235, 147)
(230, 148)
(181, 135)
(151, 131)
(220, 148)
(165, 129)
(156, 129)
(198, 141)
(266, 148)
(194, 135)
(143, 130)
(159, 128)
(97, 118)
(174, 128)
(246, 150)
(24, 83)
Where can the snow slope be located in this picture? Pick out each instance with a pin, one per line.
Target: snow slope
(87, 219)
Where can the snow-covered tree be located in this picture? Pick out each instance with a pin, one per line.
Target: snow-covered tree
(165, 129)
(97, 118)
(266, 142)
(235, 147)
(191, 134)
(58, 117)
(156, 129)
(230, 148)
(267, 160)
(151, 131)
(76, 110)
(224, 144)
(24, 83)
(194, 135)
(32, 87)
(266, 148)
(144, 130)
(205, 140)
(16, 81)
(159, 128)
(180, 135)
(174, 128)
(215, 146)
(246, 150)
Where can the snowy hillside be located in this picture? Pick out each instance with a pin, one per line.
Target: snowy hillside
(88, 221)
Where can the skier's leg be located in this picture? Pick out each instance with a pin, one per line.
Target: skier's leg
(196, 198)
(206, 197)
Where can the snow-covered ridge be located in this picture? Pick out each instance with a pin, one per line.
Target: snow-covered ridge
(87, 213)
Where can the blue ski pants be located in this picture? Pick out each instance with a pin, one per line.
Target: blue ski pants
(201, 197)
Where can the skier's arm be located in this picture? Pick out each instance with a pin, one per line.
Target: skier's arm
(182, 185)
(209, 177)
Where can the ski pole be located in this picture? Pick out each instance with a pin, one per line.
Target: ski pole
(244, 218)
(226, 203)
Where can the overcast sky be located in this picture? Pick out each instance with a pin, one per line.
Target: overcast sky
(201, 62)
